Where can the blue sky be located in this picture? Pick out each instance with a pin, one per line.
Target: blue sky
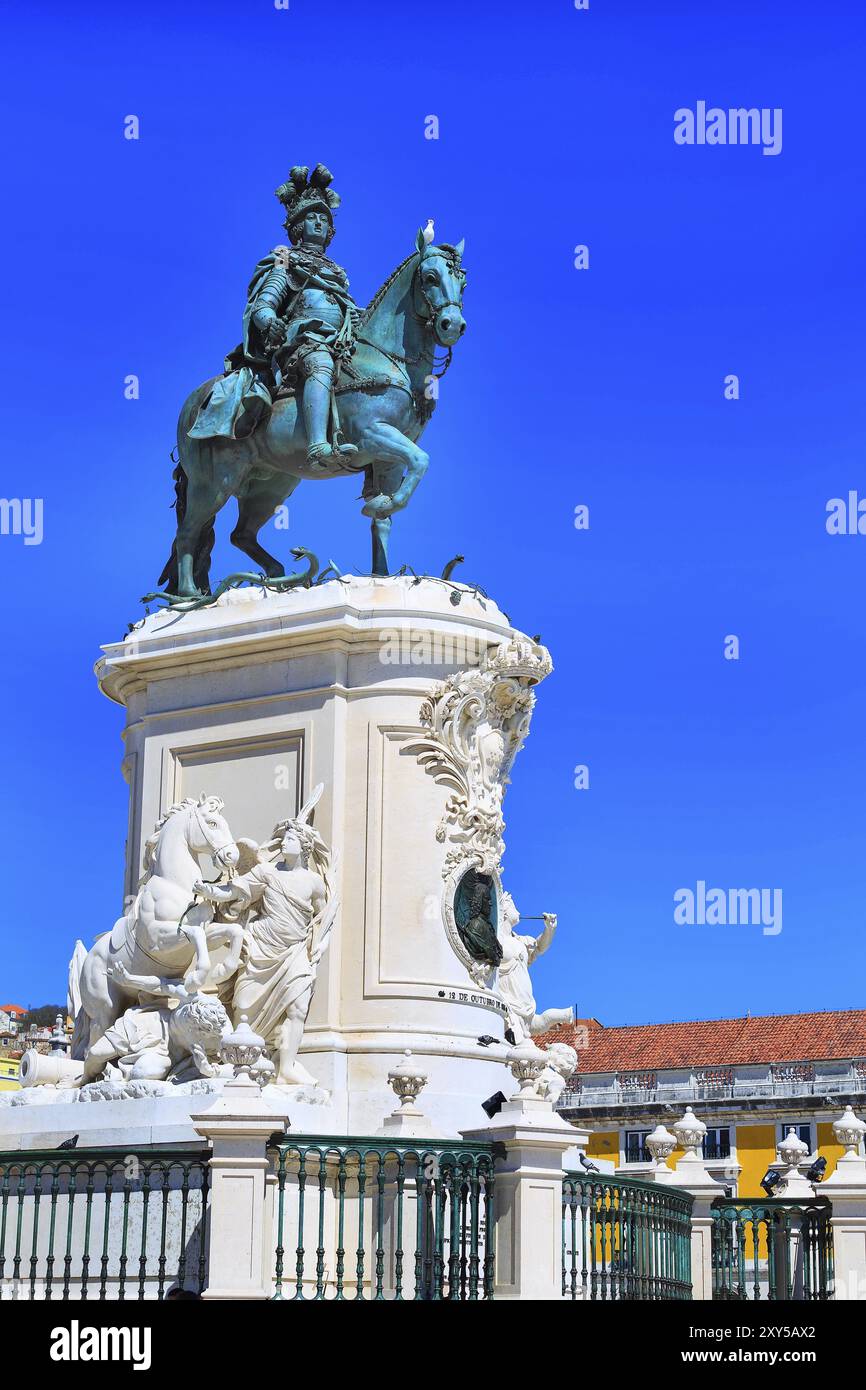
(601, 387)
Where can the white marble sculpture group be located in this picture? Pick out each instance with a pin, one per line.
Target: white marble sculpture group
(155, 997)
(247, 948)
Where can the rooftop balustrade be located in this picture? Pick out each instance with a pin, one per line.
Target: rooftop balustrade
(618, 1092)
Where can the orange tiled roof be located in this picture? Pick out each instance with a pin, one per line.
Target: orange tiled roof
(12, 1009)
(715, 1042)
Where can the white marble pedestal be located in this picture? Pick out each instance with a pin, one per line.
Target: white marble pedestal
(261, 696)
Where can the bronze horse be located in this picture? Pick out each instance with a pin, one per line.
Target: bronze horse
(384, 399)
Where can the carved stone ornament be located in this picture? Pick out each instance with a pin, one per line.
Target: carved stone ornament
(243, 1049)
(849, 1129)
(407, 1080)
(661, 1144)
(792, 1150)
(527, 1065)
(690, 1133)
(476, 722)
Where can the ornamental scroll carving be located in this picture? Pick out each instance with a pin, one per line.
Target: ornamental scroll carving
(476, 724)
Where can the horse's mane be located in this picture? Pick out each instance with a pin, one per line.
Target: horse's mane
(383, 289)
(153, 839)
(448, 251)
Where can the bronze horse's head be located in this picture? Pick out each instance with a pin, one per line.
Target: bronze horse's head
(440, 283)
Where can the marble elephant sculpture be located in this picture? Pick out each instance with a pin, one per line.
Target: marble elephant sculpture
(164, 930)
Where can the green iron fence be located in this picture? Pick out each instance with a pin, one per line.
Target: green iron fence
(772, 1249)
(624, 1239)
(361, 1219)
(102, 1223)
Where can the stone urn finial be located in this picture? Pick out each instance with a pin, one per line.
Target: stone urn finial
(527, 1064)
(263, 1071)
(661, 1144)
(792, 1150)
(791, 1153)
(407, 1081)
(849, 1129)
(242, 1049)
(690, 1133)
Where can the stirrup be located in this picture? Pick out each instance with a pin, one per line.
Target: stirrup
(319, 455)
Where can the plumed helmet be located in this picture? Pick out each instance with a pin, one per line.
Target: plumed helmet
(300, 194)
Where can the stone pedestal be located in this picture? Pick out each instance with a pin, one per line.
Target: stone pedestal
(261, 696)
(241, 1253)
(528, 1197)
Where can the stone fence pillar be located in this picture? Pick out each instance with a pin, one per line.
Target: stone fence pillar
(528, 1189)
(690, 1174)
(846, 1188)
(240, 1225)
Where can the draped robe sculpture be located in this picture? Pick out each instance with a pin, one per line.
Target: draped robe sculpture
(285, 898)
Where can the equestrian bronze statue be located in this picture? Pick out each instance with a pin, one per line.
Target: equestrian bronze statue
(317, 389)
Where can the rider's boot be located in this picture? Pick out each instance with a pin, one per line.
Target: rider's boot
(317, 404)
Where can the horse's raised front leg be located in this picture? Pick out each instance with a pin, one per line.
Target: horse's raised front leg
(228, 934)
(390, 447)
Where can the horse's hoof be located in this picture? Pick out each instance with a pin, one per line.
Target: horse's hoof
(377, 508)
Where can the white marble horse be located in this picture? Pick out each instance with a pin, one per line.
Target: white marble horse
(165, 932)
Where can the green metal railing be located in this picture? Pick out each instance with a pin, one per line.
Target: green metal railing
(772, 1249)
(624, 1239)
(102, 1223)
(361, 1219)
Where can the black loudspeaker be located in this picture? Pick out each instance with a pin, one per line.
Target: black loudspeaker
(493, 1106)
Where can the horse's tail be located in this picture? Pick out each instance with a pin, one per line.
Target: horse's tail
(169, 574)
(201, 564)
